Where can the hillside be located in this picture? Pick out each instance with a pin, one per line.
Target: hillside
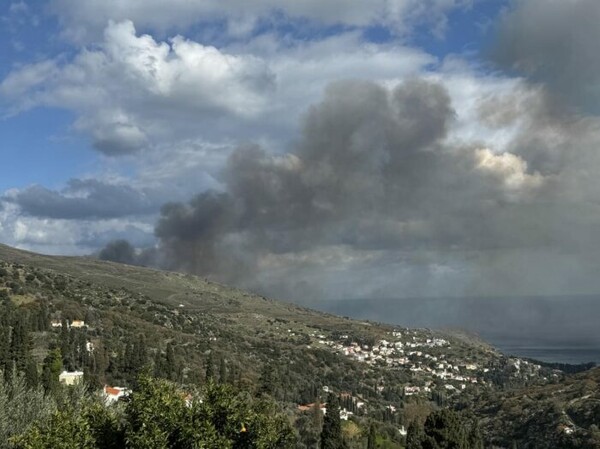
(562, 415)
(187, 329)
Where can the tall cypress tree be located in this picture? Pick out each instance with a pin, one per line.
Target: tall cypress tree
(31, 374)
(65, 344)
(210, 369)
(51, 371)
(140, 353)
(171, 363)
(331, 435)
(20, 343)
(222, 370)
(4, 347)
(371, 438)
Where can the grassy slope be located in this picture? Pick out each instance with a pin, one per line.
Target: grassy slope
(168, 288)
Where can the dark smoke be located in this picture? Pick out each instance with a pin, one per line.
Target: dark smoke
(120, 251)
(554, 42)
(371, 173)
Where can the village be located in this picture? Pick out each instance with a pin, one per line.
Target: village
(428, 359)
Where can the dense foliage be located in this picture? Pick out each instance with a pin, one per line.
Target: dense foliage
(161, 415)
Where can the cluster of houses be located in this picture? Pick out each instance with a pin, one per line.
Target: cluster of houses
(412, 352)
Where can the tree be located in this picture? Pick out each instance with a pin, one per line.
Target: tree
(50, 372)
(210, 369)
(371, 437)
(171, 362)
(415, 436)
(445, 430)
(31, 374)
(20, 343)
(21, 407)
(66, 430)
(222, 370)
(153, 414)
(160, 415)
(307, 430)
(65, 344)
(331, 435)
(267, 383)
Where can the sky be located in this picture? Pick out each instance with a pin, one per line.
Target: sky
(309, 150)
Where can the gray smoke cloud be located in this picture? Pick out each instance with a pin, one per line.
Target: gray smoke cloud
(371, 175)
(376, 199)
(554, 42)
(120, 251)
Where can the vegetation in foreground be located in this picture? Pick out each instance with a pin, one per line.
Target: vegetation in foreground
(158, 414)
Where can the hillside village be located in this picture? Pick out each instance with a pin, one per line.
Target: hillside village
(427, 357)
(188, 330)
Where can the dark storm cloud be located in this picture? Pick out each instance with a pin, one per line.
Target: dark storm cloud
(554, 42)
(371, 172)
(82, 199)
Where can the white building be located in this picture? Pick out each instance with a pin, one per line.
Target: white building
(113, 394)
(70, 377)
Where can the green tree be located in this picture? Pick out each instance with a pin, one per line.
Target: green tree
(20, 343)
(153, 414)
(371, 438)
(267, 382)
(171, 363)
(157, 417)
(445, 430)
(222, 370)
(415, 436)
(21, 407)
(105, 426)
(31, 374)
(331, 435)
(210, 368)
(65, 430)
(50, 372)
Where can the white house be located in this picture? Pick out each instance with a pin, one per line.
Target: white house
(70, 377)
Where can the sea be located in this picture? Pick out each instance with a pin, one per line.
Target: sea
(561, 329)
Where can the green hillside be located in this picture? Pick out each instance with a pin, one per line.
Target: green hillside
(114, 321)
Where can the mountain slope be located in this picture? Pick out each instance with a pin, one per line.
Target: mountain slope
(187, 329)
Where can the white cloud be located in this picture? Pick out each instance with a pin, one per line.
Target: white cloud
(130, 88)
(85, 19)
(74, 237)
(131, 92)
(509, 168)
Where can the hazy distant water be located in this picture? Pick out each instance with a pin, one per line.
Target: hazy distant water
(559, 354)
(554, 329)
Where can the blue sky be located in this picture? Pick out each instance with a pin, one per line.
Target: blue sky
(271, 126)
(40, 146)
